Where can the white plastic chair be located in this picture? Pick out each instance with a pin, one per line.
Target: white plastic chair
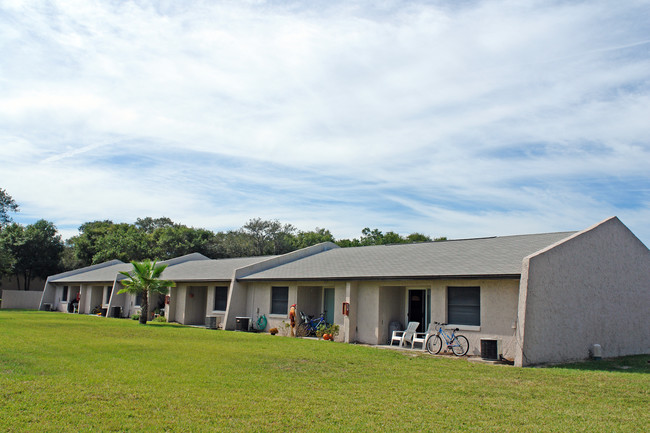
(405, 336)
(422, 337)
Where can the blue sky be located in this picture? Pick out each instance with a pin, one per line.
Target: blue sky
(455, 119)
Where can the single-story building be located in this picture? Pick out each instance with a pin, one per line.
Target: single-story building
(534, 299)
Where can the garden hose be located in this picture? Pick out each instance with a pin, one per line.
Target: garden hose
(261, 323)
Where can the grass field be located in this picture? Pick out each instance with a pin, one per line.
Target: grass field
(63, 372)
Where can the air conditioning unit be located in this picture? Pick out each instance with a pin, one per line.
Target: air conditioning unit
(212, 322)
(491, 349)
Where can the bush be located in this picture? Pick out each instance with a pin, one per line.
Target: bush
(160, 319)
(135, 316)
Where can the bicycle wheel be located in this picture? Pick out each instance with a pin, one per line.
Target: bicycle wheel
(434, 344)
(302, 330)
(459, 345)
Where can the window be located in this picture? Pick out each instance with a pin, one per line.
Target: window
(64, 297)
(138, 299)
(108, 295)
(464, 306)
(279, 300)
(220, 298)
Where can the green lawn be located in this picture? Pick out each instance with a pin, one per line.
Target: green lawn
(63, 372)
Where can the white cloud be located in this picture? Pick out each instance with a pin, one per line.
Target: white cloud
(482, 116)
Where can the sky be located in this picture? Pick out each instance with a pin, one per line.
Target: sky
(448, 118)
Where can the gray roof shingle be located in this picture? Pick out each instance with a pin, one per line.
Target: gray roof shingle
(101, 275)
(209, 270)
(488, 257)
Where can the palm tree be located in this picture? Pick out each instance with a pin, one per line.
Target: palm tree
(144, 278)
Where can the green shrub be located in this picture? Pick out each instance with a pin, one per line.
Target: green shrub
(135, 316)
(160, 319)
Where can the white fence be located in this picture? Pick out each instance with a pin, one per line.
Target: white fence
(28, 300)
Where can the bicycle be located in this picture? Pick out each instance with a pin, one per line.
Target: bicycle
(457, 343)
(309, 325)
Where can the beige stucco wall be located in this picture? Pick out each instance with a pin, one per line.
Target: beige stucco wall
(53, 295)
(22, 299)
(307, 295)
(381, 302)
(209, 307)
(374, 304)
(593, 288)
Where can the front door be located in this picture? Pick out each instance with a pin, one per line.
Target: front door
(417, 308)
(328, 305)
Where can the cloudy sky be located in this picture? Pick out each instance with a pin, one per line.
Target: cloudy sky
(451, 118)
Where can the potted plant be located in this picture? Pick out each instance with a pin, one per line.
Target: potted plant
(322, 330)
(332, 331)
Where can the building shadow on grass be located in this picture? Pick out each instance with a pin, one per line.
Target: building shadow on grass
(625, 364)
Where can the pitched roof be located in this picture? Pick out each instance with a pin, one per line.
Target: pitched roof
(484, 257)
(94, 275)
(208, 270)
(192, 267)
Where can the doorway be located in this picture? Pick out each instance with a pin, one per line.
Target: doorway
(328, 305)
(418, 301)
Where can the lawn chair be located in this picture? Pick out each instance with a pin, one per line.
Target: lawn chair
(422, 337)
(405, 336)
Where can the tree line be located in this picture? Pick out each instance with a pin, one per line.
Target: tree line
(37, 250)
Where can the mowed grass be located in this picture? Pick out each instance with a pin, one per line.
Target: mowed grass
(62, 372)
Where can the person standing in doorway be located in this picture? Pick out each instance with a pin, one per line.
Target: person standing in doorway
(292, 319)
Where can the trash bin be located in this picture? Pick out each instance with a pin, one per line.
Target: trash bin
(241, 323)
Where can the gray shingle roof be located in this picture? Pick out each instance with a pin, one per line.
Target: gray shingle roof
(208, 270)
(101, 275)
(497, 256)
(195, 268)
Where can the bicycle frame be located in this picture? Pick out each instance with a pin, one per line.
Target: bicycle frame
(312, 324)
(447, 338)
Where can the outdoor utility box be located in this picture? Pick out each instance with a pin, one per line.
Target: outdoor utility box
(241, 323)
(491, 349)
(116, 311)
(213, 322)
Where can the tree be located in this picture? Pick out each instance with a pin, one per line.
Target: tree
(145, 278)
(85, 245)
(35, 250)
(178, 240)
(122, 242)
(307, 239)
(269, 237)
(7, 204)
(417, 237)
(149, 225)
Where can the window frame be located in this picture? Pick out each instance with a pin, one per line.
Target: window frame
(65, 294)
(468, 304)
(276, 301)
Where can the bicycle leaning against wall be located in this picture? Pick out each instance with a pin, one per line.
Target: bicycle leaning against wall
(457, 343)
(309, 325)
